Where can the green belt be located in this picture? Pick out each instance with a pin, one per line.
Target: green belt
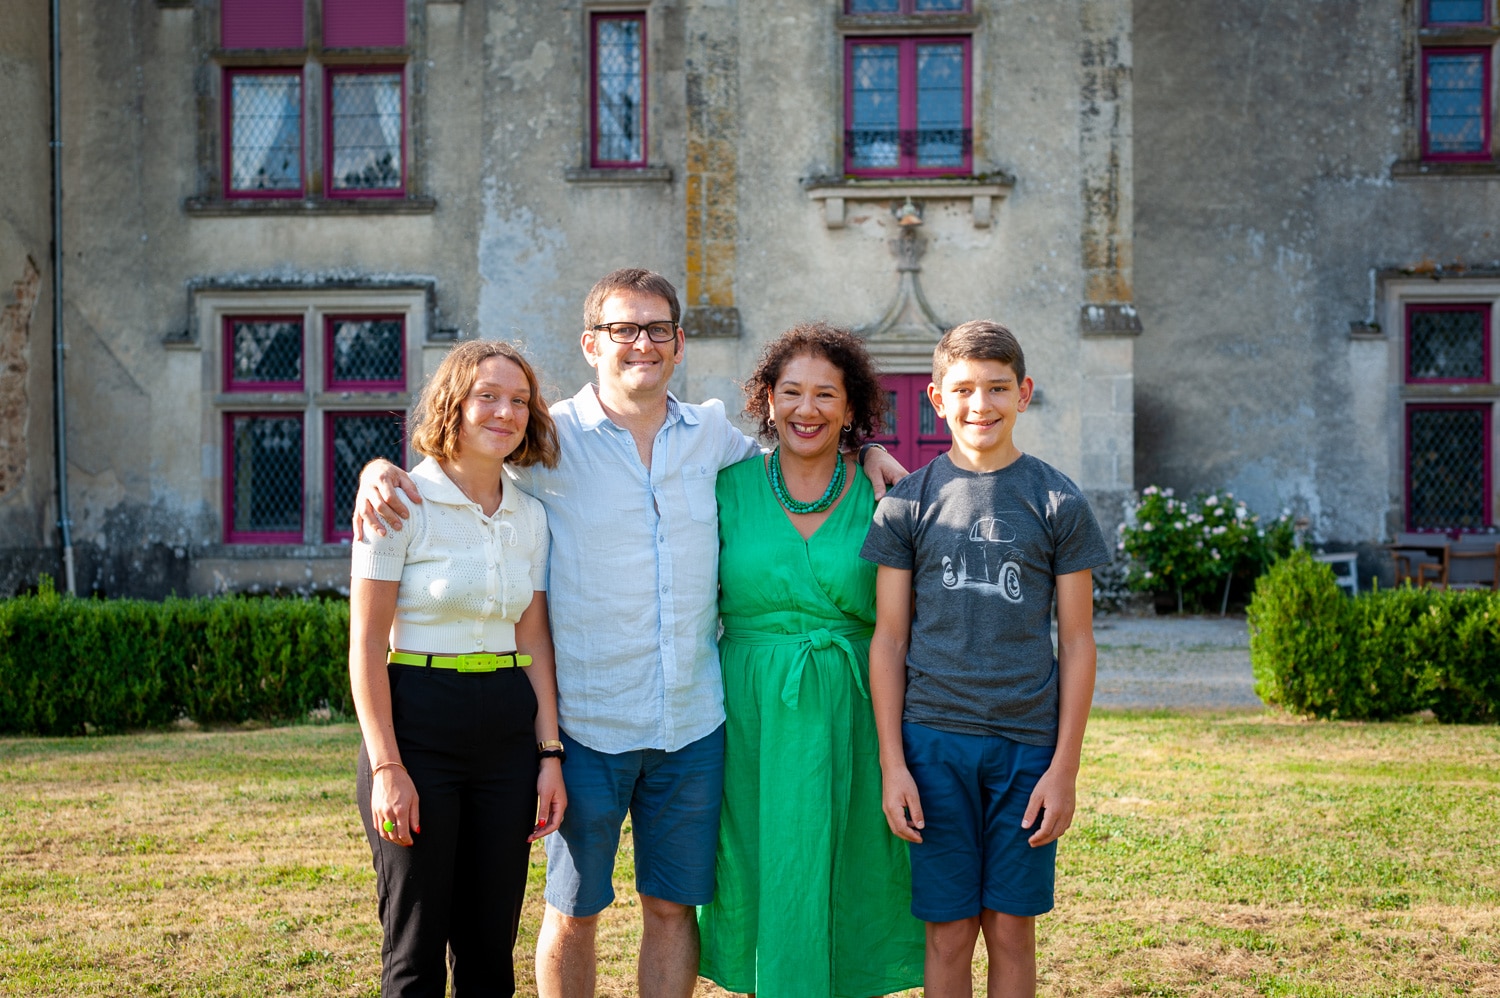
(821, 639)
(481, 662)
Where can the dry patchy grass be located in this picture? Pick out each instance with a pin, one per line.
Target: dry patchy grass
(1228, 854)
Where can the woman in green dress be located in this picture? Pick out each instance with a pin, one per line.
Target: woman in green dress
(813, 893)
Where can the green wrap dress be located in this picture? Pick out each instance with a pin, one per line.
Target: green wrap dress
(812, 891)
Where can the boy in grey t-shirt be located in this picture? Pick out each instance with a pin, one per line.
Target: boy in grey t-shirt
(980, 726)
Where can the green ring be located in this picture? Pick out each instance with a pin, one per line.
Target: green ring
(389, 825)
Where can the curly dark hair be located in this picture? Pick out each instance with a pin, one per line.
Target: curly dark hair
(841, 348)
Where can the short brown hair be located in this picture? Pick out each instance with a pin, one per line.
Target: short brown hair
(843, 350)
(629, 279)
(435, 418)
(979, 339)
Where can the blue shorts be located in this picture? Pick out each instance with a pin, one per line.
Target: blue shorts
(673, 799)
(974, 854)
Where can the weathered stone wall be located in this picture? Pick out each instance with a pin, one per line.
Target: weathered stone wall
(26, 478)
(1266, 201)
(15, 366)
(745, 105)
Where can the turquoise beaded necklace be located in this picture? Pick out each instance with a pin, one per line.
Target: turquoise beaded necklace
(784, 495)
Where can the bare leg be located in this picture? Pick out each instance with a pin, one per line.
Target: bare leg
(1011, 943)
(950, 958)
(669, 949)
(565, 956)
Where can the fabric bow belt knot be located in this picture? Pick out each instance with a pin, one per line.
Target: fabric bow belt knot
(820, 639)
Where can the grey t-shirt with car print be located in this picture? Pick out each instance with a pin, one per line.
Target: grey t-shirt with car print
(984, 550)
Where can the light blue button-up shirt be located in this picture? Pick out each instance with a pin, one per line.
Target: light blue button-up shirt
(633, 579)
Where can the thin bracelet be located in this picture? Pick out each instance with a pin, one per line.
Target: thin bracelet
(864, 450)
(384, 765)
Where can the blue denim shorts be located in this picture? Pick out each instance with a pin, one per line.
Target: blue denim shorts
(673, 799)
(974, 854)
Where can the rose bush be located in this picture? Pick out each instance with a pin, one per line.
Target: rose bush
(1195, 549)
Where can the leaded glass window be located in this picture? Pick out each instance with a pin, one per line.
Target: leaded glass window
(1448, 343)
(906, 6)
(1447, 464)
(366, 123)
(366, 352)
(265, 132)
(619, 97)
(875, 122)
(907, 107)
(1455, 105)
(941, 137)
(1455, 11)
(354, 439)
(263, 353)
(265, 477)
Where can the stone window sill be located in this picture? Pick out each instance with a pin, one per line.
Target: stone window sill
(981, 191)
(905, 24)
(249, 207)
(618, 176)
(1417, 170)
(254, 551)
(1450, 392)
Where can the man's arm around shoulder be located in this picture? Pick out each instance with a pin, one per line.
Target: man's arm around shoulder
(377, 502)
(1056, 793)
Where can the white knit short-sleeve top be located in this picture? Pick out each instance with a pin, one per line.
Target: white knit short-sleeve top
(465, 577)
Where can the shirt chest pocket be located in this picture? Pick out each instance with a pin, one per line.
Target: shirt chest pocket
(698, 482)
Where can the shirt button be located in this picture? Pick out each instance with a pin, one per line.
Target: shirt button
(478, 642)
(665, 588)
(489, 599)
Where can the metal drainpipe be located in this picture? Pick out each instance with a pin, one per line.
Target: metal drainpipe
(59, 390)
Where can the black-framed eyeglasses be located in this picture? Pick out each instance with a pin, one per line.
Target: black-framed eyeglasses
(629, 332)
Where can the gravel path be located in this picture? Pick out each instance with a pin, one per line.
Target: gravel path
(1195, 663)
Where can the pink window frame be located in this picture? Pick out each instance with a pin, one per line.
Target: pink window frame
(1483, 309)
(230, 385)
(329, 73)
(907, 8)
(333, 532)
(1427, 21)
(394, 385)
(595, 19)
(907, 98)
(232, 536)
(1484, 122)
(1487, 412)
(230, 73)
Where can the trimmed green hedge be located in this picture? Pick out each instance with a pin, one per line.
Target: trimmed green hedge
(1383, 654)
(68, 666)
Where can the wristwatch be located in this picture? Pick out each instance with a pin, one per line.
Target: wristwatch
(551, 749)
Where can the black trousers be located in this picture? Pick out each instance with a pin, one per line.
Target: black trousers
(468, 742)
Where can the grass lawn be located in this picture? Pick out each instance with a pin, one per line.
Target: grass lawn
(1221, 854)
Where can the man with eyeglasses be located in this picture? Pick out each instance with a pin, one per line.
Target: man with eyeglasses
(632, 593)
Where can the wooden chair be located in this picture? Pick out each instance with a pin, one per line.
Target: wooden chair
(1416, 566)
(1435, 573)
(1466, 579)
